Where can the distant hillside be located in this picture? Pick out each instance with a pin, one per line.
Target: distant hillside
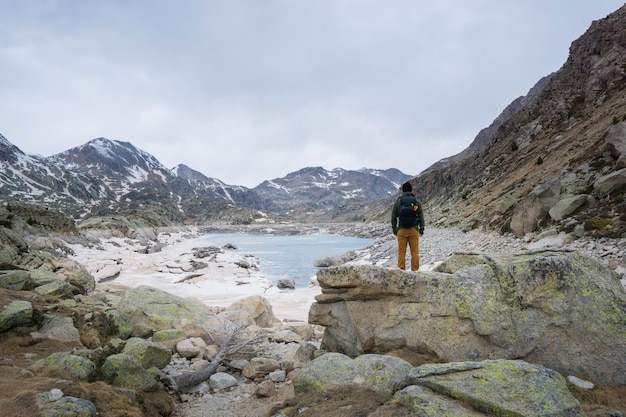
(311, 189)
(104, 177)
(568, 135)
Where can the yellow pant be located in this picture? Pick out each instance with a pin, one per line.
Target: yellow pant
(410, 236)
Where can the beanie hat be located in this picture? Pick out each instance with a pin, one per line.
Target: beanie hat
(407, 187)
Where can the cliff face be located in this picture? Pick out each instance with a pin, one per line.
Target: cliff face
(570, 128)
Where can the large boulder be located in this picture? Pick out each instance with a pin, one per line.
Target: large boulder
(567, 206)
(57, 328)
(257, 307)
(63, 283)
(560, 309)
(148, 353)
(149, 310)
(534, 207)
(16, 280)
(45, 268)
(616, 141)
(459, 389)
(501, 387)
(68, 365)
(12, 244)
(613, 183)
(125, 371)
(17, 313)
(380, 373)
(57, 288)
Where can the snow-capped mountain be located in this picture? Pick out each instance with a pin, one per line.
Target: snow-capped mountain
(107, 176)
(316, 188)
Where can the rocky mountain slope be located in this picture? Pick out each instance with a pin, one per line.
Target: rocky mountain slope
(315, 188)
(104, 177)
(567, 135)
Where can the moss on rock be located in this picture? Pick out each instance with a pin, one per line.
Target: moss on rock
(125, 371)
(70, 365)
(148, 353)
(380, 373)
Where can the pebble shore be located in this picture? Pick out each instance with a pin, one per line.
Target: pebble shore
(437, 244)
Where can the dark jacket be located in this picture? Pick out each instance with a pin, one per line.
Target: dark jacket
(394, 215)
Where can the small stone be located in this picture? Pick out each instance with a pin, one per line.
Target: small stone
(222, 380)
(55, 394)
(580, 383)
(191, 348)
(265, 389)
(286, 283)
(238, 364)
(277, 376)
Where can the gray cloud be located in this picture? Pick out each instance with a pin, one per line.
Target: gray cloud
(250, 90)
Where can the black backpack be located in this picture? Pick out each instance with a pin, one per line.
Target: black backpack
(407, 211)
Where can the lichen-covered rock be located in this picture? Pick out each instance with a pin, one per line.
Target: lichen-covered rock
(168, 338)
(121, 325)
(39, 277)
(12, 244)
(501, 387)
(57, 328)
(65, 406)
(81, 280)
(380, 373)
(150, 310)
(57, 288)
(126, 371)
(69, 365)
(15, 280)
(559, 309)
(17, 313)
(427, 403)
(149, 354)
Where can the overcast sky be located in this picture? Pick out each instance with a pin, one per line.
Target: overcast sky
(250, 90)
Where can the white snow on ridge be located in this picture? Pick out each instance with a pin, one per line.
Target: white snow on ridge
(227, 194)
(137, 175)
(103, 148)
(280, 187)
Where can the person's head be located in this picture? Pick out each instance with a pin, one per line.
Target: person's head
(407, 187)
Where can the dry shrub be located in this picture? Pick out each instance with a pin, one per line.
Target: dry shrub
(112, 402)
(600, 398)
(24, 405)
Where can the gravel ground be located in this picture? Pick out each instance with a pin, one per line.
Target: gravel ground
(238, 402)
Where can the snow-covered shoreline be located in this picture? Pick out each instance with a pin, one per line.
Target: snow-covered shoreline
(122, 263)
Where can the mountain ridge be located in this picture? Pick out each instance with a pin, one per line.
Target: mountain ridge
(105, 176)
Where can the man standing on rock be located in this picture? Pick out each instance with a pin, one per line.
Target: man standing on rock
(407, 222)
